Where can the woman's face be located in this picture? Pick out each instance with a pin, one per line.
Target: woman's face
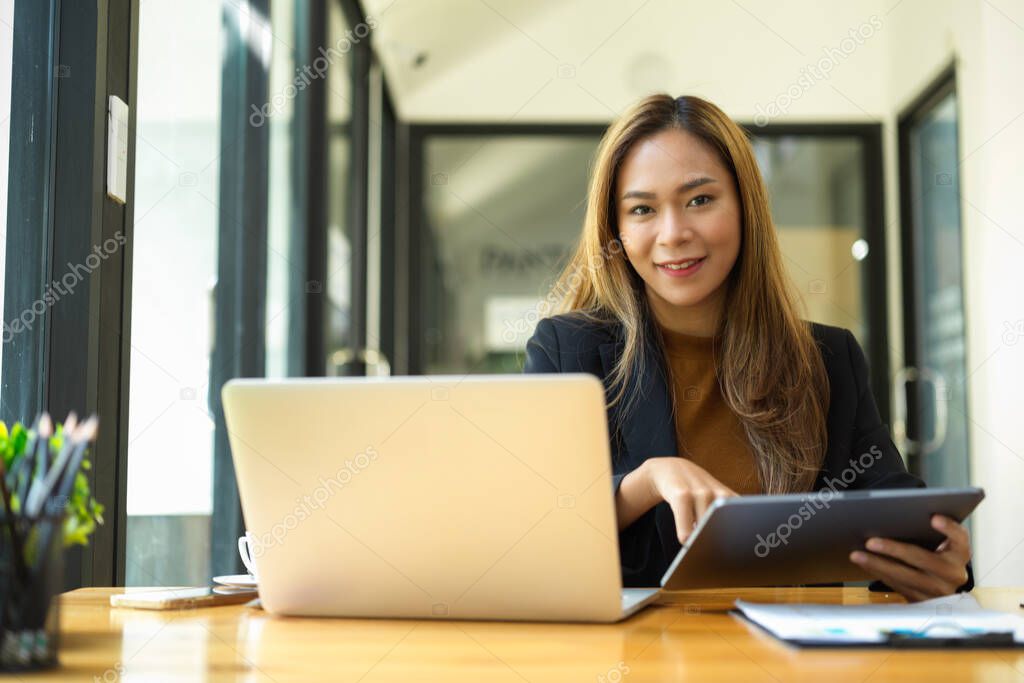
(679, 223)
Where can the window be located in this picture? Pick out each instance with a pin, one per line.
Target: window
(213, 295)
(816, 187)
(169, 491)
(502, 214)
(181, 494)
(825, 188)
(502, 211)
(6, 48)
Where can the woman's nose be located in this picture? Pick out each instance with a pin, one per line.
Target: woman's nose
(674, 229)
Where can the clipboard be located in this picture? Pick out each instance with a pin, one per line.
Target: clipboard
(921, 639)
(951, 622)
(907, 640)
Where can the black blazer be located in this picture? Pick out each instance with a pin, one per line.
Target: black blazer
(570, 343)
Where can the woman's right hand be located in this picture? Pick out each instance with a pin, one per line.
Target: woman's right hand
(688, 489)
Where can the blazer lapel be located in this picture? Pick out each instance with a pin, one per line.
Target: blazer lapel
(649, 429)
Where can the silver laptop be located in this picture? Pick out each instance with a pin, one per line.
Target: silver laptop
(471, 497)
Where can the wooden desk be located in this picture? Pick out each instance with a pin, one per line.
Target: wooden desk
(687, 635)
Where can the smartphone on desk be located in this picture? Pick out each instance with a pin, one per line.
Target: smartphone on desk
(183, 598)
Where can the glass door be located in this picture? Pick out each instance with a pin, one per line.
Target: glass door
(930, 391)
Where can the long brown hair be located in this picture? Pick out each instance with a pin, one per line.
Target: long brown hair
(769, 368)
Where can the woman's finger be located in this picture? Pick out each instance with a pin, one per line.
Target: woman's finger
(893, 572)
(682, 510)
(702, 500)
(946, 566)
(957, 536)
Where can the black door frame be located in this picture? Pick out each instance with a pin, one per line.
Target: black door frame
(940, 87)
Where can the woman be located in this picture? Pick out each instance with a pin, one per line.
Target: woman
(676, 297)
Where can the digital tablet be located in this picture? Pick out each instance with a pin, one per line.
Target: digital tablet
(807, 538)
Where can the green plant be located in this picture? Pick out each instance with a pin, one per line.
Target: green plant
(83, 511)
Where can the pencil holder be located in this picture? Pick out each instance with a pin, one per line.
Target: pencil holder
(31, 579)
(45, 505)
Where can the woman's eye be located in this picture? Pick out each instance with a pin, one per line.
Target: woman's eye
(635, 209)
(701, 196)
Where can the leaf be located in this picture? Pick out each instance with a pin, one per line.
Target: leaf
(77, 532)
(19, 438)
(83, 511)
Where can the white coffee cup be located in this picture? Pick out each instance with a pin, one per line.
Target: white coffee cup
(246, 549)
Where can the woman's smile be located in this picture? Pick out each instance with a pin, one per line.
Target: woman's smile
(685, 268)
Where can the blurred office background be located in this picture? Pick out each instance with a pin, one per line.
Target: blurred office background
(332, 187)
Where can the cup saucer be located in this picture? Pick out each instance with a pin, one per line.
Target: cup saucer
(236, 580)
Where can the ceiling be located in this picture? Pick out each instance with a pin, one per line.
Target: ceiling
(526, 61)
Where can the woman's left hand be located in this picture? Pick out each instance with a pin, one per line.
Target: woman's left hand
(915, 572)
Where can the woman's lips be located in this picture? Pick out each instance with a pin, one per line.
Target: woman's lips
(682, 272)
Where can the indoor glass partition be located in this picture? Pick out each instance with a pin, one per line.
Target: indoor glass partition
(816, 188)
(502, 212)
(502, 215)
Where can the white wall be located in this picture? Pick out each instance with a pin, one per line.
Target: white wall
(986, 39)
(993, 172)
